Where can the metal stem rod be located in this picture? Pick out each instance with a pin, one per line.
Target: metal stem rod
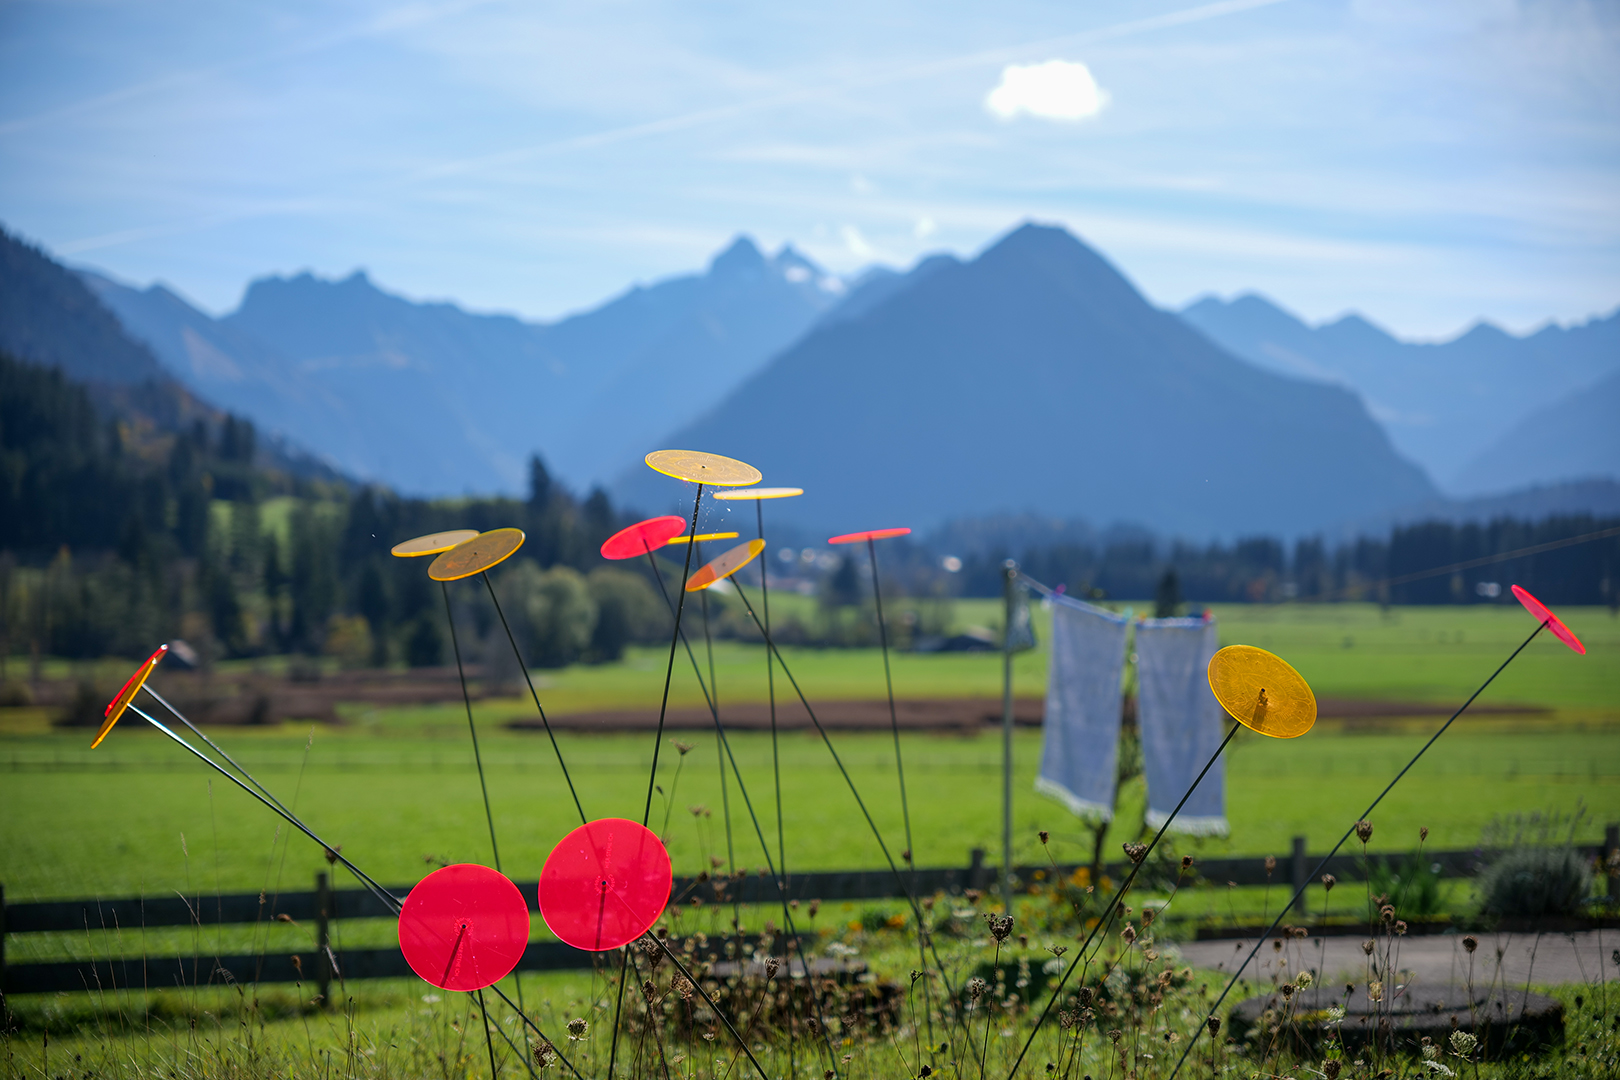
(1192, 1040)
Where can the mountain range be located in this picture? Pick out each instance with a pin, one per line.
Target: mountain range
(1448, 405)
(434, 399)
(1036, 376)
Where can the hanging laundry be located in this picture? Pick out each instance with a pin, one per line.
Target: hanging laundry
(1080, 734)
(1181, 723)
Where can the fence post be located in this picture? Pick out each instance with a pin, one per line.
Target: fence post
(975, 874)
(1611, 867)
(1298, 872)
(323, 934)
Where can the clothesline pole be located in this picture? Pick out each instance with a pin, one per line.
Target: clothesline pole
(1009, 583)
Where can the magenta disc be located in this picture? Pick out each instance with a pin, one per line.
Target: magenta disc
(870, 534)
(637, 540)
(1554, 623)
(605, 884)
(464, 927)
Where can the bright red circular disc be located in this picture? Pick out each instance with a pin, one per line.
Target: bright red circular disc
(464, 927)
(870, 534)
(1554, 623)
(644, 536)
(605, 884)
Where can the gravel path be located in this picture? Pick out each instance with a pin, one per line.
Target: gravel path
(1547, 959)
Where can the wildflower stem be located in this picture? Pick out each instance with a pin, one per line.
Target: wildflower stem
(1352, 830)
(1119, 897)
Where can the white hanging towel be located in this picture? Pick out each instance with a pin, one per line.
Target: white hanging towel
(1181, 723)
(1080, 733)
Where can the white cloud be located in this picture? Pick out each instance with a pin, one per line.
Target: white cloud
(1055, 90)
(925, 227)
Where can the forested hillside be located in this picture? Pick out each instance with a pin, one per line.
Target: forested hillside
(110, 544)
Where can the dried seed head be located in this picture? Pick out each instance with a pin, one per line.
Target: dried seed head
(1083, 996)
(1330, 1069)
(578, 1028)
(976, 988)
(1214, 1024)
(1271, 864)
(1423, 832)
(1057, 950)
(772, 966)
(1129, 934)
(1400, 927)
(684, 748)
(1135, 852)
(332, 853)
(1462, 1043)
(545, 1055)
(1364, 830)
(1470, 943)
(1367, 947)
(648, 989)
(1303, 980)
(1375, 991)
(1186, 863)
(1328, 881)
(1000, 926)
(1288, 990)
(1045, 836)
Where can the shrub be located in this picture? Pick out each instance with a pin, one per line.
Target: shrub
(1528, 882)
(1413, 888)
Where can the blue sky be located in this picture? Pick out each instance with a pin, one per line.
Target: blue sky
(1425, 163)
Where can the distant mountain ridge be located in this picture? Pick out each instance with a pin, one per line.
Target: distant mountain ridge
(1443, 404)
(1036, 378)
(1576, 436)
(434, 399)
(51, 318)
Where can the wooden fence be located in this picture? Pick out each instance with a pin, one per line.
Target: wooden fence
(322, 963)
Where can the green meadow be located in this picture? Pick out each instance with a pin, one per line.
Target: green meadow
(397, 789)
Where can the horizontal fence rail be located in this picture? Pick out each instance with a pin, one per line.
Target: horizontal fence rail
(323, 964)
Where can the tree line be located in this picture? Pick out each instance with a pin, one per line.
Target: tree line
(1398, 569)
(113, 539)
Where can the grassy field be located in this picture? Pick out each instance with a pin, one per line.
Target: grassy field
(396, 788)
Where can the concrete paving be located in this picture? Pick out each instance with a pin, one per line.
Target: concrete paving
(1511, 959)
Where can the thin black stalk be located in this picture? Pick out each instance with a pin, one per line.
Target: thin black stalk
(1366, 815)
(489, 1042)
(472, 729)
(877, 834)
(535, 694)
(658, 742)
(707, 1000)
(382, 894)
(753, 817)
(532, 1026)
(910, 855)
(669, 668)
(1119, 898)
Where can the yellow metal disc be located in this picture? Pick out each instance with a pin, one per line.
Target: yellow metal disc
(699, 538)
(697, 467)
(759, 493)
(116, 707)
(476, 555)
(1262, 692)
(432, 543)
(726, 565)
